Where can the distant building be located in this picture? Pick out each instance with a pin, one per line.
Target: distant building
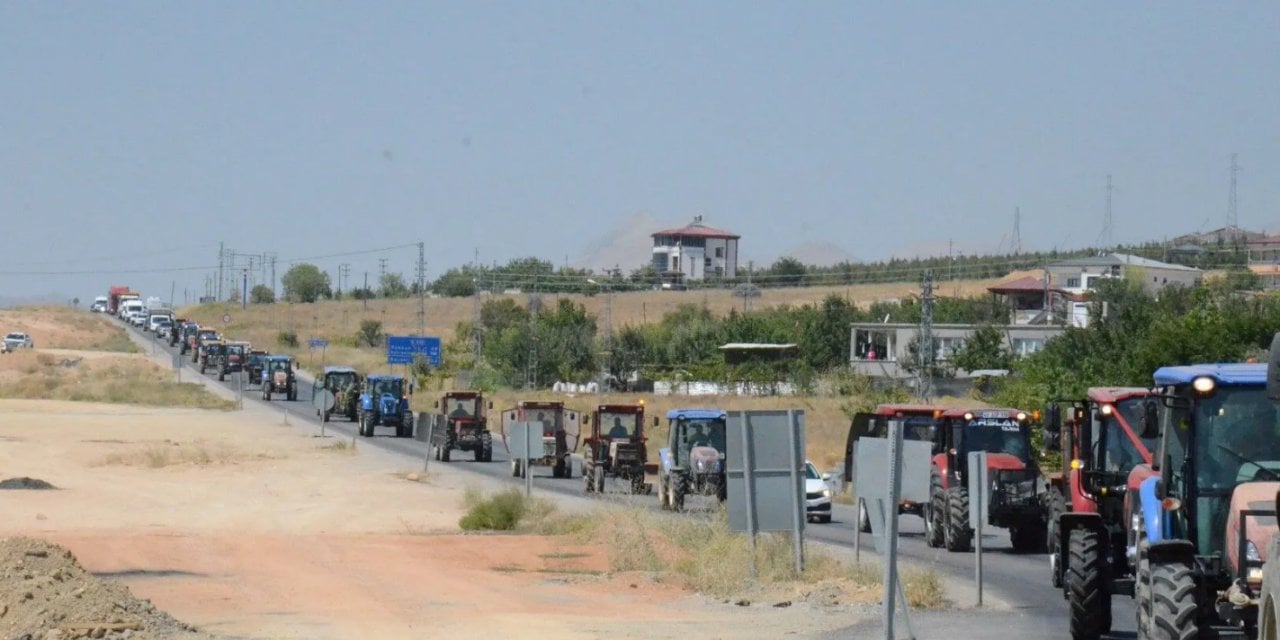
(1264, 250)
(695, 252)
(1077, 275)
(1225, 235)
(883, 350)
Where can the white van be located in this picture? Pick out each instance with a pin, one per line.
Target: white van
(130, 309)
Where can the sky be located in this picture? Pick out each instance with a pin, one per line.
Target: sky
(137, 136)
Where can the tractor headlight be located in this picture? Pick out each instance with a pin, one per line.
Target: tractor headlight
(1204, 385)
(1251, 552)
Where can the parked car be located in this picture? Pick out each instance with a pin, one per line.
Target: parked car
(817, 495)
(18, 340)
(162, 326)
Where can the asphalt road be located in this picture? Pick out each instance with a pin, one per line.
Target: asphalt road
(1035, 608)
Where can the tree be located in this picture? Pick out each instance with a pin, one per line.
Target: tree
(985, 349)
(370, 334)
(392, 285)
(262, 294)
(305, 283)
(787, 271)
(455, 283)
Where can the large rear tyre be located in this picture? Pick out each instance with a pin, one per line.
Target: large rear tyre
(515, 468)
(1055, 506)
(588, 477)
(1173, 607)
(679, 487)
(864, 518)
(596, 478)
(486, 445)
(935, 514)
(446, 452)
(958, 534)
(1088, 598)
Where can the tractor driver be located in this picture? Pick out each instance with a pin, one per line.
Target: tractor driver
(698, 438)
(460, 411)
(618, 430)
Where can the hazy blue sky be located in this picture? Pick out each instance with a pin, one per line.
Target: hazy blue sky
(155, 130)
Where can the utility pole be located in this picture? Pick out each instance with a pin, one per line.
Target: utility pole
(273, 275)
(951, 260)
(422, 286)
(382, 270)
(344, 273)
(1106, 217)
(1232, 204)
(222, 252)
(924, 379)
(365, 294)
(478, 327)
(1017, 231)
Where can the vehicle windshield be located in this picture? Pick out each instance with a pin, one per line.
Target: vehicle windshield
(15, 336)
(996, 435)
(208, 335)
(811, 472)
(235, 349)
(461, 407)
(1238, 438)
(387, 386)
(342, 380)
(701, 433)
(1131, 411)
(618, 425)
(279, 365)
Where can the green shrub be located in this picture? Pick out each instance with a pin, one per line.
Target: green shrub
(499, 512)
(287, 338)
(370, 334)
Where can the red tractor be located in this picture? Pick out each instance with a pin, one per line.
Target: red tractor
(1016, 495)
(616, 448)
(1101, 441)
(560, 432)
(466, 426)
(920, 422)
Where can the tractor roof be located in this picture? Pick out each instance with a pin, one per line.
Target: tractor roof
(895, 409)
(465, 395)
(1228, 374)
(533, 404)
(337, 368)
(278, 358)
(1116, 394)
(621, 408)
(959, 413)
(376, 378)
(696, 414)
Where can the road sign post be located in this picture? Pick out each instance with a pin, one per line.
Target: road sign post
(431, 437)
(765, 476)
(520, 445)
(978, 488)
(323, 402)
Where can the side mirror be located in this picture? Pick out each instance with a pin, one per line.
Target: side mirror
(1150, 419)
(1053, 428)
(1273, 369)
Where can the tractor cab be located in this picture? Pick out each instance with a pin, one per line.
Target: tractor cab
(694, 460)
(1004, 434)
(466, 426)
(612, 422)
(463, 407)
(615, 447)
(560, 434)
(920, 422)
(338, 379)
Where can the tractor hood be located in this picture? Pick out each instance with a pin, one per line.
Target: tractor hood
(1004, 462)
(388, 404)
(1252, 496)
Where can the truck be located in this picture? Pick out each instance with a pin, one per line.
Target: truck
(100, 304)
(115, 295)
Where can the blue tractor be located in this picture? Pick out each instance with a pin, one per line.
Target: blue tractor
(693, 460)
(385, 403)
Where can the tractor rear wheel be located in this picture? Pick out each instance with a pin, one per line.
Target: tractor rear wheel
(446, 452)
(958, 534)
(1055, 506)
(222, 376)
(1087, 595)
(435, 451)
(597, 478)
(588, 477)
(679, 487)
(325, 417)
(1173, 607)
(486, 446)
(935, 513)
(515, 468)
(638, 486)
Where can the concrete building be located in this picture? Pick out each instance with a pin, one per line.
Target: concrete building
(695, 252)
(1077, 275)
(882, 349)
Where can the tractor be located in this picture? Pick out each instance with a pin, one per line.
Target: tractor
(465, 426)
(278, 377)
(344, 384)
(186, 334)
(1100, 440)
(253, 364)
(920, 422)
(201, 337)
(384, 403)
(616, 448)
(1016, 486)
(175, 331)
(212, 354)
(693, 461)
(1201, 514)
(560, 433)
(233, 357)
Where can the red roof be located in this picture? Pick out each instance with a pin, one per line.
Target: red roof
(1270, 240)
(697, 230)
(1026, 284)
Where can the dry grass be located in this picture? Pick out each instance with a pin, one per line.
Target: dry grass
(169, 453)
(338, 321)
(341, 446)
(111, 379)
(66, 328)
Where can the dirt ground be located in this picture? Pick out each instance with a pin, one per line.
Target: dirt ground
(245, 527)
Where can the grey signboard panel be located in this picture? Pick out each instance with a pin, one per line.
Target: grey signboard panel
(979, 491)
(871, 477)
(517, 439)
(776, 448)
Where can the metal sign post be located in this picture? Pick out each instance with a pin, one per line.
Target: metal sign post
(528, 473)
(431, 437)
(978, 488)
(797, 504)
(749, 481)
(890, 514)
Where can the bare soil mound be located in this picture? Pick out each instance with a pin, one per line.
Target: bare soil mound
(46, 595)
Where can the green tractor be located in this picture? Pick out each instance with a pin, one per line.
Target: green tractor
(344, 384)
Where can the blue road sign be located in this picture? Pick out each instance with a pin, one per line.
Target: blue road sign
(318, 343)
(402, 349)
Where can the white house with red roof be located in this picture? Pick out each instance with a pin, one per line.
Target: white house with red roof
(695, 252)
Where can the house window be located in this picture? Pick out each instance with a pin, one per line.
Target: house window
(1073, 283)
(1026, 346)
(719, 252)
(946, 347)
(675, 263)
(706, 263)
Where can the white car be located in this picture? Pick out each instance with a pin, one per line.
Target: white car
(154, 321)
(163, 326)
(18, 340)
(817, 495)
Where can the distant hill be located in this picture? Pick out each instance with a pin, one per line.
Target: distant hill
(626, 245)
(820, 254)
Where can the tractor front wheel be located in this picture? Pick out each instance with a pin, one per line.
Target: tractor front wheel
(1173, 610)
(958, 534)
(588, 477)
(1087, 581)
(515, 468)
(1055, 506)
(486, 446)
(935, 514)
(446, 452)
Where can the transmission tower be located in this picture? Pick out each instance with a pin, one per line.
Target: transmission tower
(1017, 231)
(1105, 237)
(422, 289)
(924, 377)
(1232, 204)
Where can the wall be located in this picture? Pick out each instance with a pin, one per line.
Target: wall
(1018, 339)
